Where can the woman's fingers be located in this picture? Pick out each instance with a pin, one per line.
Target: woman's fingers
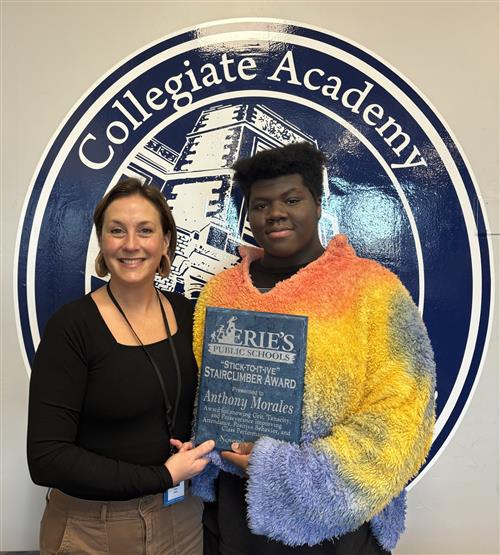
(203, 448)
(189, 461)
(176, 443)
(180, 446)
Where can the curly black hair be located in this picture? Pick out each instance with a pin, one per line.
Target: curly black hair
(302, 158)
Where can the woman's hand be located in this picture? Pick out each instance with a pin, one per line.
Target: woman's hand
(240, 454)
(180, 446)
(188, 461)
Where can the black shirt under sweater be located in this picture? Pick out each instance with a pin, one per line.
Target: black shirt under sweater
(96, 425)
(226, 529)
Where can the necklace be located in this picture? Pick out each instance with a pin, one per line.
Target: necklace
(170, 411)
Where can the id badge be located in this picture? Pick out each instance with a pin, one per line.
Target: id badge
(173, 495)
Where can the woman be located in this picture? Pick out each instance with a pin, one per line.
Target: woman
(111, 396)
(368, 405)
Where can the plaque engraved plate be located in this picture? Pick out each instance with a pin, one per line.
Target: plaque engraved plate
(252, 376)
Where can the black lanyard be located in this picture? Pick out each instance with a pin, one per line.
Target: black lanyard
(170, 412)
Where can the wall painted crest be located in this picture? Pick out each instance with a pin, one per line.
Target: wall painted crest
(180, 111)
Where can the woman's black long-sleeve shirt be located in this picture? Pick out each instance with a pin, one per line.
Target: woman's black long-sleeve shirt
(96, 425)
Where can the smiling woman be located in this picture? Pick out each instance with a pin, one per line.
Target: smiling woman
(132, 241)
(110, 402)
(137, 200)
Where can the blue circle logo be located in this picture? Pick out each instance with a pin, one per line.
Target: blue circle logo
(179, 112)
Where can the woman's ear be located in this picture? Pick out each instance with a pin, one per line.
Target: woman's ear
(166, 241)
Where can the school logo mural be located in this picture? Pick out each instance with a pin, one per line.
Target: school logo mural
(179, 112)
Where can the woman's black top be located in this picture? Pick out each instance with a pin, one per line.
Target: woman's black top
(96, 425)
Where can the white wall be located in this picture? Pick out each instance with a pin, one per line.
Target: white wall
(52, 53)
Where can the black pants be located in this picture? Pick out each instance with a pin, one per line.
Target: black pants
(226, 531)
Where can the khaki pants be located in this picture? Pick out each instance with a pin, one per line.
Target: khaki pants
(135, 527)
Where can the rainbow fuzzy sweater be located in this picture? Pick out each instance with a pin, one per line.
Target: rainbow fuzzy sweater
(368, 410)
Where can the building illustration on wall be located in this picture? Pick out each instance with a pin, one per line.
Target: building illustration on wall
(197, 183)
